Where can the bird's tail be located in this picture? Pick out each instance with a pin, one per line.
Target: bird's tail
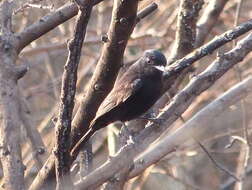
(94, 126)
(76, 149)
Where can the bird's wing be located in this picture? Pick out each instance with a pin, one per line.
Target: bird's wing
(119, 95)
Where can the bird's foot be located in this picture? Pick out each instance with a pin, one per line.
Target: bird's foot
(157, 121)
(131, 139)
(126, 134)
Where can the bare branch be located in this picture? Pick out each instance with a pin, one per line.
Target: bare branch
(6, 16)
(63, 126)
(10, 121)
(47, 23)
(108, 169)
(217, 164)
(186, 28)
(206, 49)
(208, 20)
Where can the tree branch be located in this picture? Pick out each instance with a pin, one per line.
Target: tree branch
(208, 20)
(10, 121)
(63, 125)
(186, 28)
(47, 23)
(180, 65)
(108, 169)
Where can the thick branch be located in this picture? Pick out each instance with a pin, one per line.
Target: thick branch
(10, 150)
(108, 169)
(186, 28)
(63, 126)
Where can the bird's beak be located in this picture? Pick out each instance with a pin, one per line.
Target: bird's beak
(161, 68)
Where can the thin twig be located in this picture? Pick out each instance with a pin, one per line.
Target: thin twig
(218, 165)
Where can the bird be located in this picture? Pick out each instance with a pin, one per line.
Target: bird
(133, 94)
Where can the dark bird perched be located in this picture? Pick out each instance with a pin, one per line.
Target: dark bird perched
(133, 94)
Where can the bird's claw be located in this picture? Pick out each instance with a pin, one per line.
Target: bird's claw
(157, 121)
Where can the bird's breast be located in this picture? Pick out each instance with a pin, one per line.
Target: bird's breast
(143, 99)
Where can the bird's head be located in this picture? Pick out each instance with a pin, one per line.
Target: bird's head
(155, 58)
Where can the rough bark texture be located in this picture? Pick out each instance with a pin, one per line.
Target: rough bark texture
(186, 28)
(185, 37)
(10, 121)
(69, 79)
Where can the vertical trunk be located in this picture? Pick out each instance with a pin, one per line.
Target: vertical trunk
(10, 150)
